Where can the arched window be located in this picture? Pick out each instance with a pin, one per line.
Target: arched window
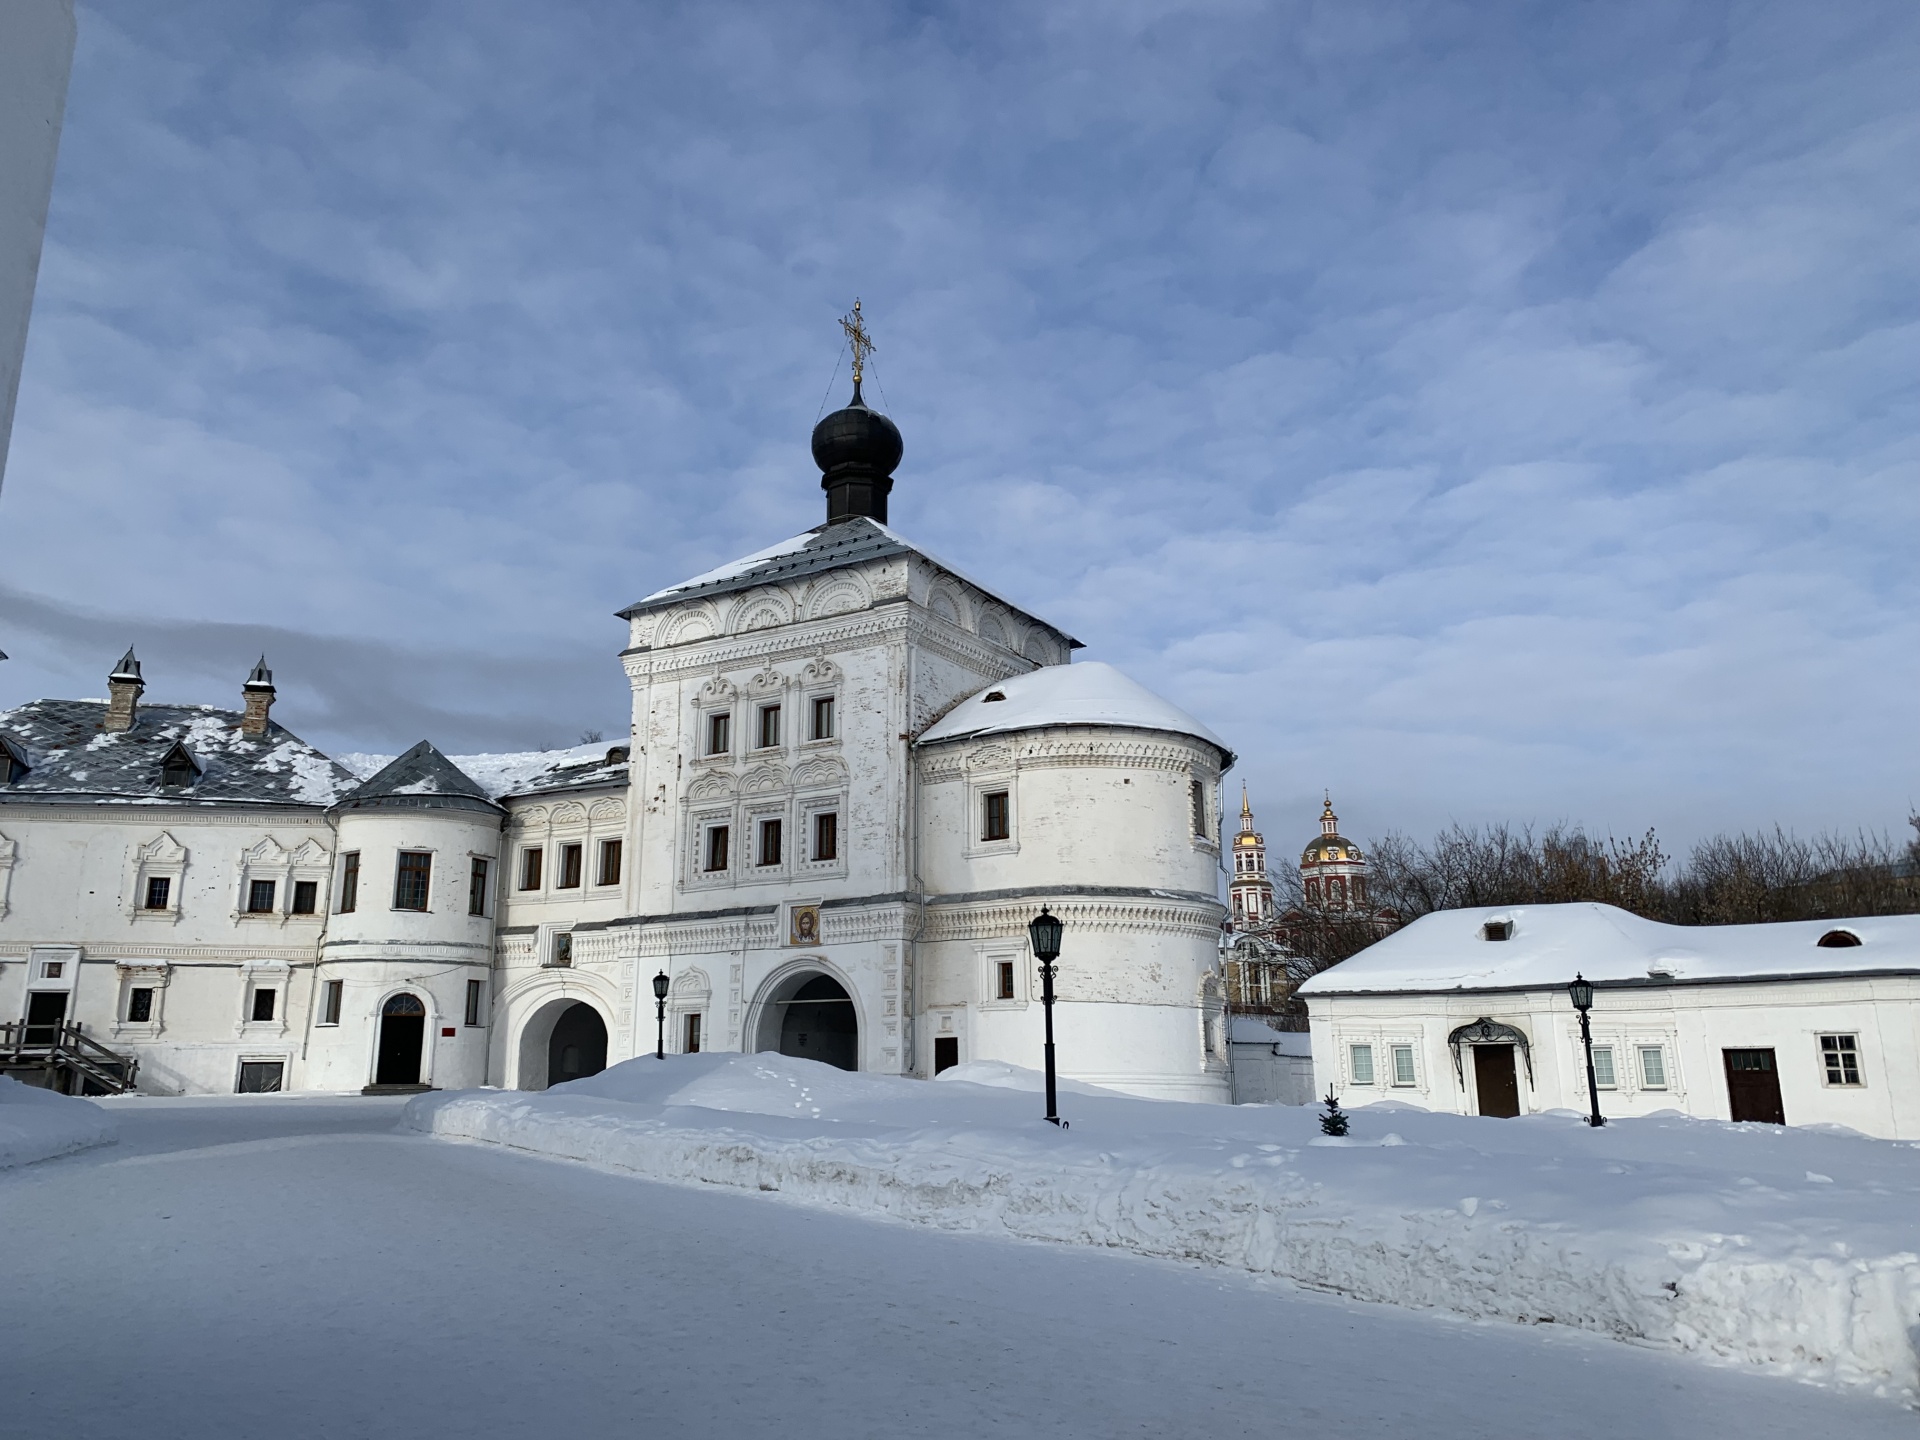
(1838, 940)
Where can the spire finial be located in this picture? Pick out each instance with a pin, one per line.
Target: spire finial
(1329, 822)
(862, 343)
(1246, 809)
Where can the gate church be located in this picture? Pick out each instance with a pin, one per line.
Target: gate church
(853, 776)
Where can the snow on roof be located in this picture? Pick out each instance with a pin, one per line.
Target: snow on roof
(827, 547)
(524, 771)
(1447, 950)
(1090, 693)
(1249, 1031)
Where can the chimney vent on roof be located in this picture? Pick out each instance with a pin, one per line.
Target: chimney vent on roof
(258, 694)
(123, 694)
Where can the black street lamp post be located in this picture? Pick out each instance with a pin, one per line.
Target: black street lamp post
(660, 1005)
(1581, 991)
(1044, 930)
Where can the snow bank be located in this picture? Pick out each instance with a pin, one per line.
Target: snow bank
(1755, 1244)
(37, 1124)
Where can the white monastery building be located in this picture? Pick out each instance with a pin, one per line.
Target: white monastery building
(1806, 1022)
(854, 775)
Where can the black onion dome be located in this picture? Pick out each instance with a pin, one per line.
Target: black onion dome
(857, 436)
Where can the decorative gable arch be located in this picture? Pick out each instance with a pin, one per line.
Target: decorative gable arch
(1487, 1032)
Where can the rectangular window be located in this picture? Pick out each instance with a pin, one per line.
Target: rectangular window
(996, 821)
(1403, 1065)
(770, 842)
(263, 1002)
(1653, 1068)
(349, 881)
(260, 897)
(306, 896)
(411, 877)
(719, 734)
(530, 868)
(1603, 1067)
(693, 1035)
(475, 992)
(826, 835)
(261, 1077)
(1197, 802)
(330, 999)
(159, 891)
(823, 717)
(1841, 1054)
(570, 866)
(609, 862)
(1360, 1064)
(769, 726)
(1003, 980)
(477, 886)
(717, 848)
(140, 1006)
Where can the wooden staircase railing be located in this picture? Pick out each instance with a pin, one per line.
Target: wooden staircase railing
(75, 1063)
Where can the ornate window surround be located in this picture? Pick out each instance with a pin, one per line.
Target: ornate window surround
(162, 857)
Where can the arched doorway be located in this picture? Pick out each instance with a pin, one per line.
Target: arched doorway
(403, 1034)
(578, 1046)
(811, 1016)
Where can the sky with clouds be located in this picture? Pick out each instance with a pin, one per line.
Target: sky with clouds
(1484, 411)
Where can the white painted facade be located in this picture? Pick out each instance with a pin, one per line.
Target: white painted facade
(1675, 1010)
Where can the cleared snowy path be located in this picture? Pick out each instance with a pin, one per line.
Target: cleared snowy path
(289, 1267)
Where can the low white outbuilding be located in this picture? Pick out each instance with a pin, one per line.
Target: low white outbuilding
(1814, 1022)
(1271, 1067)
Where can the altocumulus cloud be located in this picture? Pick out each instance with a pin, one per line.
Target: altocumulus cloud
(1484, 411)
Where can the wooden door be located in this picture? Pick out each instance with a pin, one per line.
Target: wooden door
(1753, 1086)
(1496, 1080)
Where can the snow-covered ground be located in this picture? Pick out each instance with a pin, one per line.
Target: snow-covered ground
(294, 1266)
(37, 1124)
(1788, 1250)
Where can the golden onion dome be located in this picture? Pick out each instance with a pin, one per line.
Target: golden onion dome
(1327, 848)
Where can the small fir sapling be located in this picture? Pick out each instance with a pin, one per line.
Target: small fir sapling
(1334, 1122)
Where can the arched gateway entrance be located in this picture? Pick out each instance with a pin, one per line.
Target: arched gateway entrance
(579, 1045)
(811, 1016)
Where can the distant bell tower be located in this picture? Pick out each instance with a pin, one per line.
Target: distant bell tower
(1333, 872)
(1249, 887)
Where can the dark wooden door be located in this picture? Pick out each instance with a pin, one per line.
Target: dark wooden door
(1753, 1086)
(46, 1010)
(1496, 1080)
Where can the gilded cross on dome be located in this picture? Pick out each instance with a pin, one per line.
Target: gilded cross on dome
(858, 338)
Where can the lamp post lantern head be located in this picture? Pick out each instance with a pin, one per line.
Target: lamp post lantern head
(1580, 990)
(1044, 930)
(660, 983)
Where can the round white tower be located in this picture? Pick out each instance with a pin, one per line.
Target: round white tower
(1075, 788)
(401, 1000)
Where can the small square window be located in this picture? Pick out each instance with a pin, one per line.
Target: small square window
(530, 868)
(719, 734)
(1653, 1068)
(823, 717)
(477, 886)
(260, 897)
(159, 891)
(609, 862)
(996, 821)
(306, 896)
(330, 1000)
(1360, 1064)
(1603, 1067)
(264, 1001)
(476, 991)
(570, 867)
(769, 726)
(1003, 980)
(826, 835)
(717, 836)
(1841, 1055)
(349, 881)
(412, 879)
(1403, 1065)
(770, 842)
(140, 1006)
